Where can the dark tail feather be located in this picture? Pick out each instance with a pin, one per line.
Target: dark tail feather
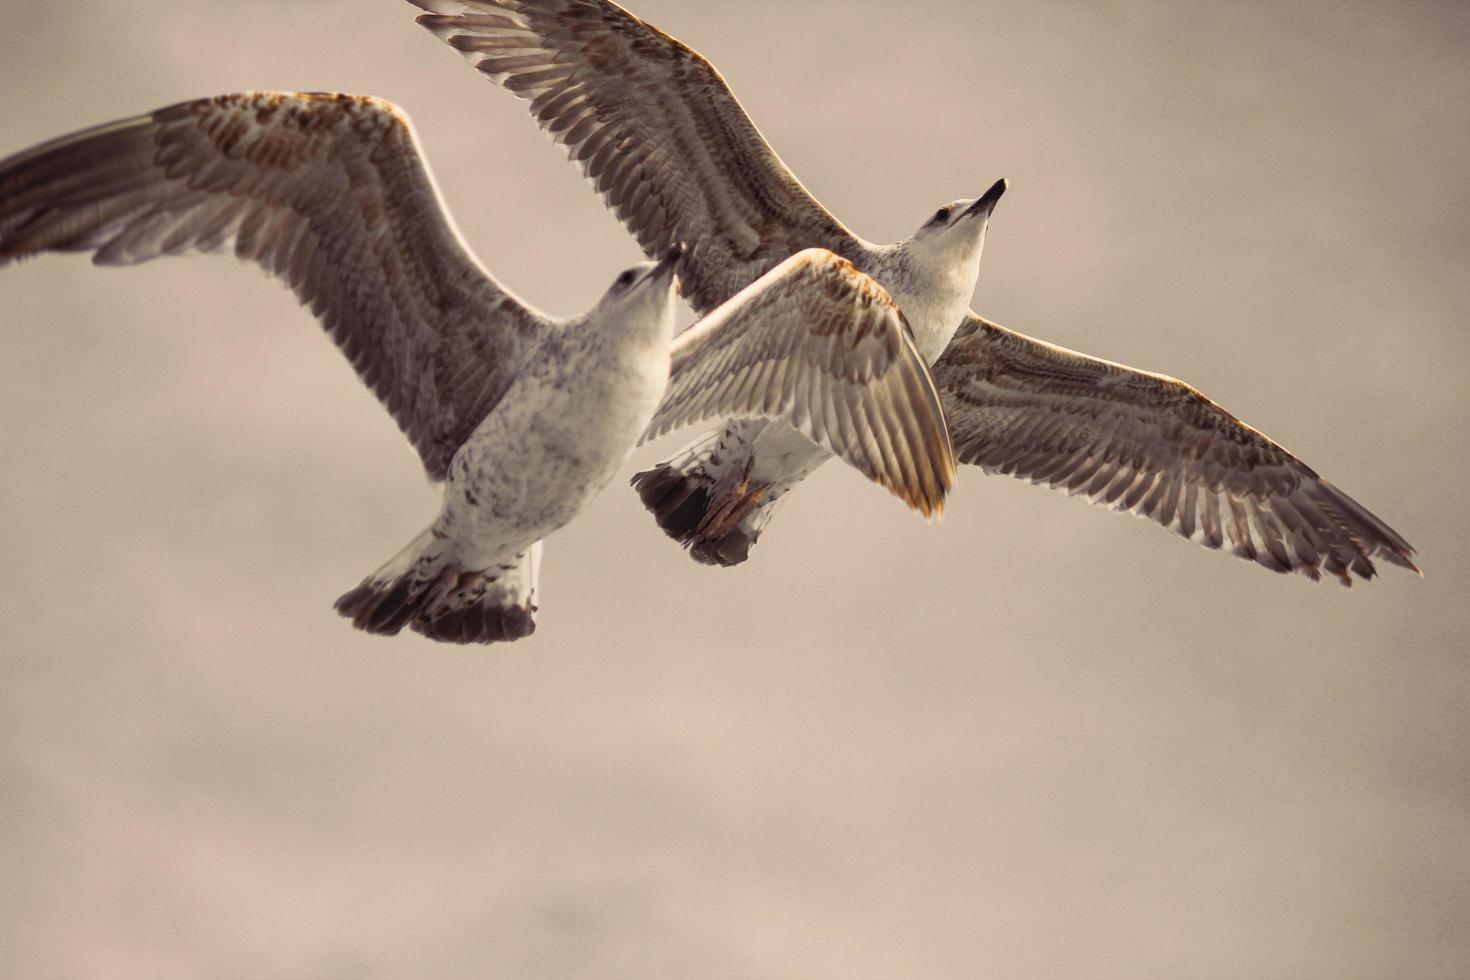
(427, 590)
(694, 511)
(380, 609)
(481, 624)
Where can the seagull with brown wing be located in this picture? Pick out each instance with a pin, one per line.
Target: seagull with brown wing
(523, 417)
(663, 139)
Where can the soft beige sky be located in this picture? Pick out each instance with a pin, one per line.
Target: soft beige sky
(1038, 740)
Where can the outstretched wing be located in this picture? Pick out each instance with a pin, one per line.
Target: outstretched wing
(1153, 446)
(654, 127)
(821, 346)
(328, 193)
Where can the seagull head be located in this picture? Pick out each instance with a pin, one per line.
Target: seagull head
(646, 289)
(951, 240)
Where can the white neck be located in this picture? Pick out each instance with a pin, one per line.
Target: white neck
(935, 296)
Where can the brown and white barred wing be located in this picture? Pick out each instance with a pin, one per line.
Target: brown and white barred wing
(328, 193)
(822, 347)
(654, 127)
(1153, 446)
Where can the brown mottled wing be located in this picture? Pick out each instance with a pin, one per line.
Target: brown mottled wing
(654, 127)
(822, 347)
(328, 193)
(1153, 446)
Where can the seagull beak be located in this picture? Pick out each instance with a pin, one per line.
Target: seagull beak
(667, 262)
(986, 202)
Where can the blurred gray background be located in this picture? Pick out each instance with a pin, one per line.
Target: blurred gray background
(1037, 739)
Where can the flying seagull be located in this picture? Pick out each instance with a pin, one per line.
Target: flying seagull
(655, 128)
(522, 416)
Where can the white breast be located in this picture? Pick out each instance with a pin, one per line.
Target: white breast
(555, 440)
(933, 317)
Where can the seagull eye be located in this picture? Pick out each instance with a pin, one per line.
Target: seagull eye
(625, 280)
(942, 214)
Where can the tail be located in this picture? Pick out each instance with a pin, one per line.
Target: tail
(704, 499)
(427, 588)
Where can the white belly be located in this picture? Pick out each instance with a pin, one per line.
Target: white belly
(784, 456)
(555, 441)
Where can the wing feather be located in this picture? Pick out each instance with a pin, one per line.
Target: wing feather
(824, 348)
(329, 193)
(1152, 446)
(654, 127)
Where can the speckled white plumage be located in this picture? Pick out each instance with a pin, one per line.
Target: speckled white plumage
(554, 440)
